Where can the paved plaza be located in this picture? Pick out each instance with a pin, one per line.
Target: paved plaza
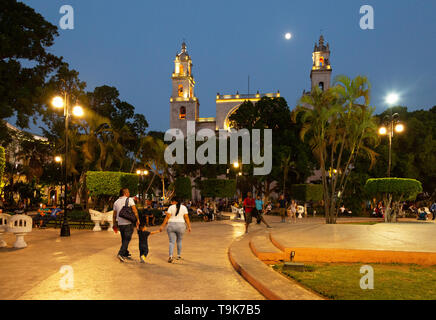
(206, 272)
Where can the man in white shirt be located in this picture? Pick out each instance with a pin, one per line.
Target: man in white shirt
(125, 226)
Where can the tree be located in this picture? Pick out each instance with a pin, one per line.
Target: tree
(339, 128)
(105, 186)
(293, 155)
(393, 191)
(25, 60)
(183, 189)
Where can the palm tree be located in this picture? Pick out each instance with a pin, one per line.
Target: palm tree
(339, 129)
(151, 154)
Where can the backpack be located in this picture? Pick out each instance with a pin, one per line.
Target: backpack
(127, 212)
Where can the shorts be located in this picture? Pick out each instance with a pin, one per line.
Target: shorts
(248, 216)
(282, 212)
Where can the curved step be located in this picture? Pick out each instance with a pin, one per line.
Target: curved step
(270, 283)
(263, 249)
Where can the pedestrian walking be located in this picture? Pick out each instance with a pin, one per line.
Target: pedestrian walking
(282, 207)
(260, 210)
(292, 212)
(433, 210)
(178, 221)
(249, 206)
(126, 226)
(143, 235)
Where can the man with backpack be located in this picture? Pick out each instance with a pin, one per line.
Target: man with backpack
(125, 219)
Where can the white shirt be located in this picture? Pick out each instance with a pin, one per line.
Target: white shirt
(118, 205)
(181, 216)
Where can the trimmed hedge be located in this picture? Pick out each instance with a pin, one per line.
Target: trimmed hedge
(106, 183)
(183, 188)
(307, 192)
(217, 188)
(407, 189)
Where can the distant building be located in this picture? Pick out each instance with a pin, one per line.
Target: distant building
(185, 106)
(14, 147)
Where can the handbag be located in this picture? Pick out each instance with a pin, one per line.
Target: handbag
(127, 213)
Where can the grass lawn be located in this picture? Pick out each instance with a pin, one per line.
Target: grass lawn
(391, 281)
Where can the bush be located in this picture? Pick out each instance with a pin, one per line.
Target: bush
(106, 183)
(400, 189)
(217, 188)
(183, 188)
(78, 215)
(307, 192)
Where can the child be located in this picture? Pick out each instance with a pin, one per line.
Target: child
(143, 235)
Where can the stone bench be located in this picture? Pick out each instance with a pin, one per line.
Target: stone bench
(100, 217)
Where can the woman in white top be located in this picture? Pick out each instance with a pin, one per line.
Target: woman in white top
(177, 219)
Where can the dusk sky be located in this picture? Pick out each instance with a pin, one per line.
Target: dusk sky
(132, 45)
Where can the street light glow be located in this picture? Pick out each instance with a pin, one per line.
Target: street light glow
(58, 102)
(399, 128)
(78, 111)
(146, 172)
(392, 98)
(383, 131)
(58, 159)
(138, 171)
(236, 164)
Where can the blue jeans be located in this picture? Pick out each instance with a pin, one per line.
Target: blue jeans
(176, 230)
(126, 235)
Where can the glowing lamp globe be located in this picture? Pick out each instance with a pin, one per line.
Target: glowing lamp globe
(399, 128)
(57, 102)
(78, 111)
(383, 131)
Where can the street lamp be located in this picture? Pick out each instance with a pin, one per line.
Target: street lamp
(59, 102)
(141, 174)
(58, 159)
(391, 124)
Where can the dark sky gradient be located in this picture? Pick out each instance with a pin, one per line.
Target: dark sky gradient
(132, 44)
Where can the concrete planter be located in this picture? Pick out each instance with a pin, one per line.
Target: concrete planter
(300, 211)
(20, 225)
(100, 217)
(4, 218)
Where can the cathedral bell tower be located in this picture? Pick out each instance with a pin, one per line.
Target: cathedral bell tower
(321, 69)
(184, 106)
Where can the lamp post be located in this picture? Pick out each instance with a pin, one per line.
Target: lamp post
(391, 124)
(59, 102)
(58, 159)
(141, 174)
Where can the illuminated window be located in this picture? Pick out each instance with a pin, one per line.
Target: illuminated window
(190, 92)
(182, 113)
(180, 90)
(181, 68)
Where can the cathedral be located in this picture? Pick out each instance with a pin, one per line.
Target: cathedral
(184, 105)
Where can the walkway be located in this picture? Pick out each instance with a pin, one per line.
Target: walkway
(206, 273)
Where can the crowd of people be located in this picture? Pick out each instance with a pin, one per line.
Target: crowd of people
(421, 213)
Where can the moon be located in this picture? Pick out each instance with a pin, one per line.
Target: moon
(288, 36)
